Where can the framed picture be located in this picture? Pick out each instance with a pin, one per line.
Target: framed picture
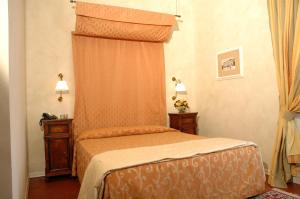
(230, 64)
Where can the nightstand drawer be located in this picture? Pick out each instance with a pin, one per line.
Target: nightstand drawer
(187, 120)
(188, 130)
(188, 126)
(62, 128)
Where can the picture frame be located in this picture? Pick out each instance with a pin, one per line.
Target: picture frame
(230, 64)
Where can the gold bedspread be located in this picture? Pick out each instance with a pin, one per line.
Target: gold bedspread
(86, 149)
(236, 173)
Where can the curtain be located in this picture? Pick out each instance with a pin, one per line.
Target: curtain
(284, 17)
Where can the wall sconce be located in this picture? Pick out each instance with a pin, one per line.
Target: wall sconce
(179, 87)
(61, 87)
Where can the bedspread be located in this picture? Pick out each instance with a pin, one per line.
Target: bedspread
(103, 164)
(234, 173)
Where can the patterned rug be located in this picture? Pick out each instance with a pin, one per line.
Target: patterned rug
(276, 194)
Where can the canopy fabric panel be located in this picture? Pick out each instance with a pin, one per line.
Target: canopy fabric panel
(118, 83)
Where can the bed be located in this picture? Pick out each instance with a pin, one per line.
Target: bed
(227, 173)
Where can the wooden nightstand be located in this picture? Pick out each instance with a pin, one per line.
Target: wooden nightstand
(58, 147)
(185, 122)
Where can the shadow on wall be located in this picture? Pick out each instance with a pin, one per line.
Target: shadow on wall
(266, 167)
(297, 119)
(297, 178)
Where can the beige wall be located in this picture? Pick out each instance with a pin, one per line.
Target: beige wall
(48, 52)
(5, 165)
(17, 98)
(242, 108)
(13, 167)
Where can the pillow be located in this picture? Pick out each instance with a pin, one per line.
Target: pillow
(121, 131)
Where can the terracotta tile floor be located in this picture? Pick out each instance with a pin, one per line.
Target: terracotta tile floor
(55, 188)
(68, 188)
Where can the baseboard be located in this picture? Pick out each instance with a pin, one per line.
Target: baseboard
(296, 179)
(27, 188)
(36, 174)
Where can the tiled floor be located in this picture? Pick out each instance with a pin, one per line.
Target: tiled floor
(68, 188)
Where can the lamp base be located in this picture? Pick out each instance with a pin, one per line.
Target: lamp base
(60, 98)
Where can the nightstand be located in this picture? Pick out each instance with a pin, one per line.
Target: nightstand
(185, 122)
(58, 147)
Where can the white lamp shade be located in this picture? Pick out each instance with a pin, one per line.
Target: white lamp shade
(180, 87)
(62, 85)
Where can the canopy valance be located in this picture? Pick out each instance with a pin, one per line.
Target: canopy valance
(122, 23)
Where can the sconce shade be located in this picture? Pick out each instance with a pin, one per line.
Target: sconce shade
(180, 87)
(62, 86)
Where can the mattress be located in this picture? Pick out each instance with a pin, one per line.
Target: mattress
(235, 173)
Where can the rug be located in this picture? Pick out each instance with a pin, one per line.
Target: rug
(276, 194)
